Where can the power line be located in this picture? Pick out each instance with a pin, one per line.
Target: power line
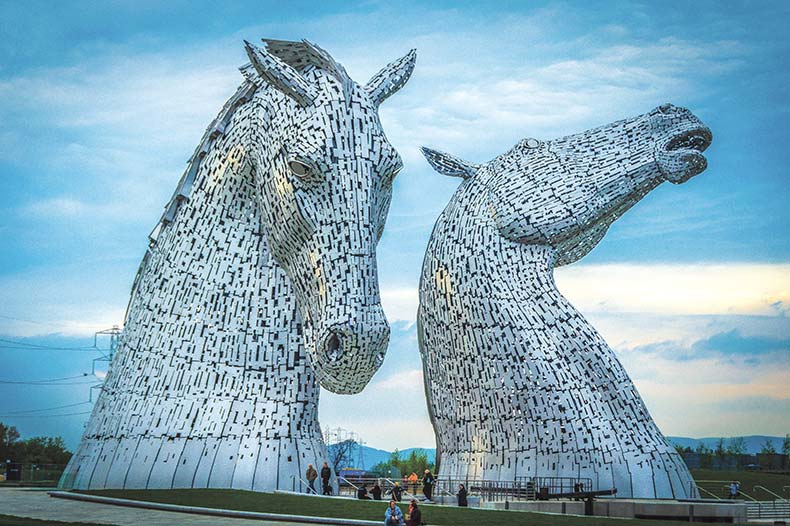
(20, 412)
(89, 382)
(44, 416)
(47, 381)
(38, 345)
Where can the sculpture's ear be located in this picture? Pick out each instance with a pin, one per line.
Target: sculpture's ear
(280, 75)
(391, 78)
(447, 164)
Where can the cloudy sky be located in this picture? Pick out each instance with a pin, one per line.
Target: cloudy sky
(103, 102)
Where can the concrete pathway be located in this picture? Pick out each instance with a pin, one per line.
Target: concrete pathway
(24, 502)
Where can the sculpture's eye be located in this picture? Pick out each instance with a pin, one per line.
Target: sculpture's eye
(299, 169)
(532, 143)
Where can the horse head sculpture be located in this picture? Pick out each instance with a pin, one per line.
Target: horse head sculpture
(325, 185)
(538, 390)
(566, 192)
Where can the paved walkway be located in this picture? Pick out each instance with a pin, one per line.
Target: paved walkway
(36, 504)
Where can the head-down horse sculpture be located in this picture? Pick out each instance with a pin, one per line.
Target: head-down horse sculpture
(260, 282)
(518, 383)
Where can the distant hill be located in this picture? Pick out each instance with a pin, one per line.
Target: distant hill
(372, 456)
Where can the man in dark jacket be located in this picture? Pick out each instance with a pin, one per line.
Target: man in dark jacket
(311, 475)
(326, 473)
(427, 484)
(376, 491)
(462, 493)
(415, 515)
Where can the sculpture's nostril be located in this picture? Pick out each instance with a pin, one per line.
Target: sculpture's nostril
(332, 347)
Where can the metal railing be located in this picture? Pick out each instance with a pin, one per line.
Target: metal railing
(768, 491)
(34, 474)
(404, 486)
(348, 486)
(777, 509)
(300, 485)
(523, 488)
(720, 489)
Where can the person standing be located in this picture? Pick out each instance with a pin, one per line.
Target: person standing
(462, 493)
(393, 516)
(311, 474)
(427, 484)
(415, 515)
(376, 491)
(326, 473)
(735, 489)
(396, 492)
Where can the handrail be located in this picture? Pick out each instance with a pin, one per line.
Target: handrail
(348, 482)
(725, 486)
(405, 492)
(778, 497)
(303, 481)
(742, 494)
(709, 493)
(446, 492)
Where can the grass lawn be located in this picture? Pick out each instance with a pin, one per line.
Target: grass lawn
(12, 520)
(356, 509)
(748, 479)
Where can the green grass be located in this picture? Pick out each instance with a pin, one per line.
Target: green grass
(356, 509)
(13, 520)
(748, 479)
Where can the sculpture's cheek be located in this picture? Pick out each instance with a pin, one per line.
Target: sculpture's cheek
(514, 222)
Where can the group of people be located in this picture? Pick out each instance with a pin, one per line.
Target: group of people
(311, 475)
(375, 492)
(394, 516)
(396, 491)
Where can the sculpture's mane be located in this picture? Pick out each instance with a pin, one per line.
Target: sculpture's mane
(301, 56)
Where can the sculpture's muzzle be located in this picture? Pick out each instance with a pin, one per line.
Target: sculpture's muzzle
(350, 347)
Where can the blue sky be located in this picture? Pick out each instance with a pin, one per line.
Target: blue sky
(103, 102)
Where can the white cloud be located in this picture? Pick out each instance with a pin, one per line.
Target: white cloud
(726, 288)
(695, 289)
(57, 207)
(406, 379)
(75, 300)
(400, 303)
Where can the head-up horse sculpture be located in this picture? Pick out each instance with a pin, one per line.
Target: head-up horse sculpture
(259, 283)
(518, 383)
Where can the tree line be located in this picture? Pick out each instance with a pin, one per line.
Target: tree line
(735, 446)
(35, 450)
(396, 467)
(732, 454)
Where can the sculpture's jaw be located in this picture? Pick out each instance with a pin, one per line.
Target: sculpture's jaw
(681, 157)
